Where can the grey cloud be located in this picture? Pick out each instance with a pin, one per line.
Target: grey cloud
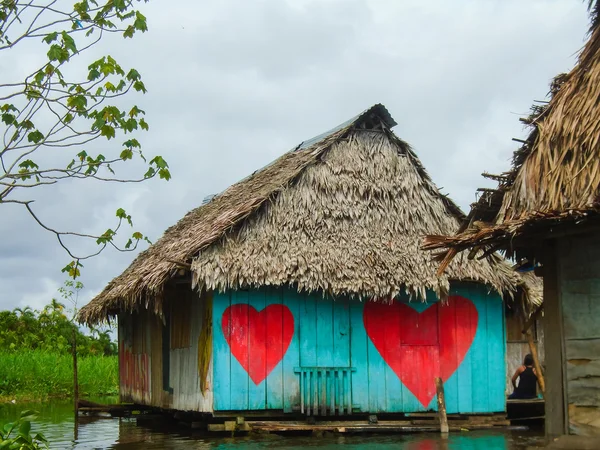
(234, 84)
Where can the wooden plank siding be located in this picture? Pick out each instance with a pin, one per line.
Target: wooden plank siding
(134, 358)
(142, 351)
(393, 350)
(579, 294)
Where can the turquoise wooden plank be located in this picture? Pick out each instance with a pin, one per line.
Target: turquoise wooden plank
(291, 359)
(496, 340)
(324, 327)
(376, 370)
(238, 374)
(221, 355)
(308, 332)
(257, 393)
(479, 360)
(341, 333)
(358, 356)
(464, 372)
(275, 346)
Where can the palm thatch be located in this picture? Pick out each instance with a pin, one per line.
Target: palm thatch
(555, 179)
(343, 215)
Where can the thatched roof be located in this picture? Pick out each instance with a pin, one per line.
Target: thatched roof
(343, 214)
(554, 182)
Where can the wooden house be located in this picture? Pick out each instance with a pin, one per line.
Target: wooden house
(546, 214)
(303, 289)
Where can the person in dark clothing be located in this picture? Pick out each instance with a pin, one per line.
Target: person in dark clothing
(527, 380)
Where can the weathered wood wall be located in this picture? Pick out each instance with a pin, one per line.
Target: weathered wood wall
(135, 358)
(158, 362)
(262, 336)
(579, 291)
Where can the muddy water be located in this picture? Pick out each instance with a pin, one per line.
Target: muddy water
(56, 419)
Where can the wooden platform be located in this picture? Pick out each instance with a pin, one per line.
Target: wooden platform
(87, 408)
(424, 422)
(518, 410)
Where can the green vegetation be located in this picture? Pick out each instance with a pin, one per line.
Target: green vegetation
(36, 355)
(51, 331)
(17, 435)
(37, 374)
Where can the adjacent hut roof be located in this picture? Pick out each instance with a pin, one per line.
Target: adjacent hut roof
(554, 182)
(343, 213)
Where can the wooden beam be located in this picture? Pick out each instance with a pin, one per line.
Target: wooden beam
(441, 401)
(556, 415)
(181, 264)
(532, 318)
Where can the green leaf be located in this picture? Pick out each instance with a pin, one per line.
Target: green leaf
(94, 74)
(39, 77)
(35, 137)
(29, 164)
(164, 174)
(77, 102)
(128, 33)
(144, 125)
(8, 107)
(149, 173)
(126, 154)
(139, 86)
(27, 125)
(69, 42)
(50, 37)
(58, 53)
(121, 213)
(140, 22)
(135, 111)
(137, 235)
(132, 143)
(108, 131)
(133, 75)
(160, 162)
(8, 118)
(25, 428)
(72, 269)
(106, 237)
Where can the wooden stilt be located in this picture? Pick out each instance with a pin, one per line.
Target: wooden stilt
(75, 386)
(441, 401)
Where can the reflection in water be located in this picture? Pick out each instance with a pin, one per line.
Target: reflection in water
(56, 422)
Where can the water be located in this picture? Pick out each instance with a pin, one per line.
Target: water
(56, 419)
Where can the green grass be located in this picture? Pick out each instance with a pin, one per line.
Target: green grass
(37, 375)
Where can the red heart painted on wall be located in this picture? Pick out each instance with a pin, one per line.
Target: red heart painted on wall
(258, 340)
(419, 346)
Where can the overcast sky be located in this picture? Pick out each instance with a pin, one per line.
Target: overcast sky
(234, 84)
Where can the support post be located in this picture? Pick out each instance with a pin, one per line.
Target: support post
(441, 401)
(527, 323)
(556, 414)
(75, 384)
(536, 363)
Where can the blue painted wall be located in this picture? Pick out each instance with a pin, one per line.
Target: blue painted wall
(331, 332)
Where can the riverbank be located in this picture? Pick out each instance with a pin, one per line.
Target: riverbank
(38, 375)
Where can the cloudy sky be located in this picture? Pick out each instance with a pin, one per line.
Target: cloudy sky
(233, 84)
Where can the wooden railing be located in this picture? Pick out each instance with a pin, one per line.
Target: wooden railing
(325, 390)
